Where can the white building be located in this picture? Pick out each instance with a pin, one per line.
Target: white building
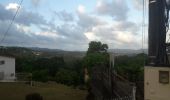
(7, 69)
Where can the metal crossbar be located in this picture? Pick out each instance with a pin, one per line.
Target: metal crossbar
(123, 98)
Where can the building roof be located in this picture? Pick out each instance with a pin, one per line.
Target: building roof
(7, 56)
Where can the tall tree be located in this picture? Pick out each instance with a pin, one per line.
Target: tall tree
(96, 54)
(97, 46)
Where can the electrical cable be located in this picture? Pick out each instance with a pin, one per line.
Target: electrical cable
(6, 32)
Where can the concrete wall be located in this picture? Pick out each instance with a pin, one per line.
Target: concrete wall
(154, 90)
(8, 68)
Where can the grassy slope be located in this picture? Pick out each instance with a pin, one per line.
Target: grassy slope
(17, 91)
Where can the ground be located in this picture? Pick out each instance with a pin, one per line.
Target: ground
(49, 91)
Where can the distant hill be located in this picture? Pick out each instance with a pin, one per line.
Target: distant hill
(45, 52)
(45, 49)
(127, 51)
(16, 51)
(39, 52)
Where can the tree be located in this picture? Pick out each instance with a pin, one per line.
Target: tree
(95, 46)
(67, 77)
(131, 67)
(96, 55)
(41, 75)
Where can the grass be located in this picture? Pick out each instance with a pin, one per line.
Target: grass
(49, 91)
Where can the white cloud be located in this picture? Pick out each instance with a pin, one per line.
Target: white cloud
(12, 6)
(125, 37)
(117, 9)
(47, 34)
(109, 33)
(81, 9)
(74, 32)
(23, 28)
(91, 36)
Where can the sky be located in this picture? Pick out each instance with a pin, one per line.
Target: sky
(72, 24)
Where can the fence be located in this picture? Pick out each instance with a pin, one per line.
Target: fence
(24, 77)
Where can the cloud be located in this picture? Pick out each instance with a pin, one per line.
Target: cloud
(75, 31)
(35, 2)
(127, 26)
(65, 16)
(117, 9)
(12, 6)
(66, 36)
(24, 17)
(116, 35)
(14, 35)
(20, 35)
(81, 9)
(87, 21)
(72, 32)
(91, 36)
(137, 4)
(5, 14)
(27, 18)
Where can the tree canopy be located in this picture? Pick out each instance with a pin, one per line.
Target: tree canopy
(96, 54)
(97, 46)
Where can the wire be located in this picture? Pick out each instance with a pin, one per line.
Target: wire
(6, 32)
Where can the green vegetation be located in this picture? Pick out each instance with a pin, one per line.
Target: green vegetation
(49, 91)
(48, 65)
(68, 67)
(131, 67)
(52, 69)
(96, 55)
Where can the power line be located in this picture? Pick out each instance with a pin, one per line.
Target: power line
(6, 32)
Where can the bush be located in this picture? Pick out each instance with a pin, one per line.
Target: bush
(40, 75)
(67, 77)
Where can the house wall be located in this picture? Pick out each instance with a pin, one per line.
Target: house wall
(154, 90)
(8, 68)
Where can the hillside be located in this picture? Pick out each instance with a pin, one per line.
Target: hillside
(47, 53)
(38, 52)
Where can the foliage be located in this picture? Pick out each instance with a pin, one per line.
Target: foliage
(41, 75)
(52, 69)
(131, 67)
(50, 64)
(94, 59)
(95, 46)
(44, 64)
(96, 54)
(65, 76)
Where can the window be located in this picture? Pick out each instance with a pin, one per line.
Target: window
(1, 75)
(12, 74)
(2, 62)
(164, 77)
